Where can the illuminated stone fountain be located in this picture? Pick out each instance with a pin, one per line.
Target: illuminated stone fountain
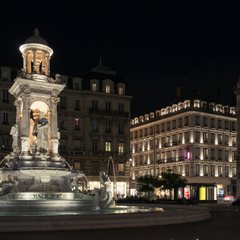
(34, 177)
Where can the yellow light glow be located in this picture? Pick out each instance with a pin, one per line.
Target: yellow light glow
(202, 193)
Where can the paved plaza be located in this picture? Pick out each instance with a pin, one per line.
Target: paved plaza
(224, 224)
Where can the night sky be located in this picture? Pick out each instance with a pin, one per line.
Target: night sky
(155, 45)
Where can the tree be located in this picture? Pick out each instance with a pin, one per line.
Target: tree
(168, 181)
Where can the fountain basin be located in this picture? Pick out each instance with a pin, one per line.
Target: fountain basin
(119, 217)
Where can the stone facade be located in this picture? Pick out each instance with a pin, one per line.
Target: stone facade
(194, 138)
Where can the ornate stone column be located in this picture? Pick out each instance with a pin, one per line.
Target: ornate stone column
(43, 62)
(49, 65)
(25, 139)
(34, 61)
(54, 129)
(24, 62)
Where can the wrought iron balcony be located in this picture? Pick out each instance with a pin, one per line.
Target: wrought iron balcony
(176, 159)
(110, 113)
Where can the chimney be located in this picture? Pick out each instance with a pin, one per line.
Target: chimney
(180, 92)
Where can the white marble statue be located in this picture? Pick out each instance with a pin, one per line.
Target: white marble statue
(15, 132)
(41, 131)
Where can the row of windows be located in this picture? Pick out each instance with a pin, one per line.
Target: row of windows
(216, 171)
(108, 108)
(166, 126)
(181, 105)
(108, 146)
(108, 167)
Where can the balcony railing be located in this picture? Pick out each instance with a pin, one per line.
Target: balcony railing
(176, 159)
(111, 113)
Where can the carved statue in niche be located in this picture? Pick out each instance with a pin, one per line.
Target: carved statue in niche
(41, 131)
(15, 132)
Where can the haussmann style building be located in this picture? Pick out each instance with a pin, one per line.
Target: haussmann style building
(194, 138)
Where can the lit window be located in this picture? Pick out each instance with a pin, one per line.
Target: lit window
(76, 165)
(108, 146)
(120, 90)
(94, 87)
(121, 148)
(77, 124)
(107, 88)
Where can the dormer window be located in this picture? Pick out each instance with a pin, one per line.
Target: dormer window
(5, 76)
(120, 90)
(94, 87)
(77, 86)
(107, 88)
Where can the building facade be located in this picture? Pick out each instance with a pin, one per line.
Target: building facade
(93, 120)
(194, 138)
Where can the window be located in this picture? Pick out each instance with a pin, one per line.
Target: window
(174, 169)
(233, 140)
(77, 86)
(5, 118)
(212, 153)
(63, 102)
(94, 105)
(157, 128)
(233, 155)
(145, 159)
(197, 169)
(121, 107)
(197, 136)
(151, 158)
(226, 155)
(174, 140)
(62, 125)
(120, 90)
(168, 155)
(174, 154)
(226, 171)
(5, 76)
(219, 154)
(151, 130)
(212, 137)
(205, 170)
(158, 156)
(146, 131)
(77, 124)
(146, 171)
(162, 127)
(136, 134)
(204, 137)
(205, 153)
(180, 122)
(5, 143)
(145, 145)
(108, 126)
(94, 87)
(220, 171)
(168, 125)
(212, 123)
(107, 88)
(180, 138)
(77, 165)
(108, 146)
(121, 128)
(163, 169)
(168, 139)
(196, 120)
(212, 170)
(186, 137)
(140, 146)
(180, 153)
(5, 96)
(77, 145)
(95, 168)
(135, 161)
(234, 171)
(121, 148)
(186, 121)
(233, 126)
(94, 125)
(77, 105)
(121, 169)
(204, 121)
(226, 139)
(108, 107)
(94, 145)
(162, 141)
(220, 124)
(140, 133)
(219, 138)
(151, 144)
(180, 169)
(226, 125)
(187, 170)
(197, 152)
(174, 124)
(162, 155)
